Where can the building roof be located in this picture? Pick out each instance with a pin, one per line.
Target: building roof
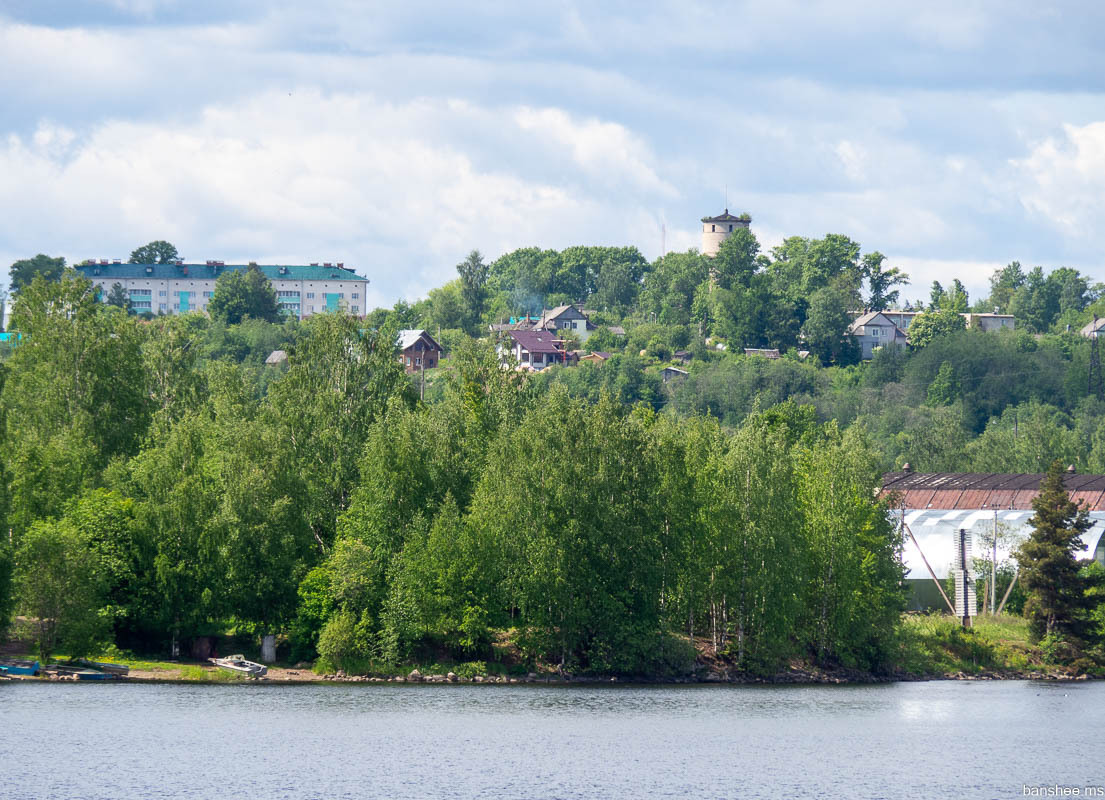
(675, 371)
(211, 270)
(408, 336)
(555, 313)
(276, 357)
(597, 354)
(1094, 325)
(987, 490)
(879, 320)
(935, 505)
(762, 351)
(536, 341)
(725, 216)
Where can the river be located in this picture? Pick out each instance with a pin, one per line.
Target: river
(942, 739)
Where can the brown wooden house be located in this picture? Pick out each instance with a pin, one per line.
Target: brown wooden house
(418, 350)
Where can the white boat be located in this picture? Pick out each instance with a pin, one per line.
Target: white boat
(238, 663)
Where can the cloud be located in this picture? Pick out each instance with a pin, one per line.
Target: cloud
(387, 188)
(1064, 181)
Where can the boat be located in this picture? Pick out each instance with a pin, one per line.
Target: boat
(94, 675)
(239, 664)
(118, 670)
(19, 666)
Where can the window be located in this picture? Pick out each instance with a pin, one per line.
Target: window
(730, 227)
(876, 332)
(355, 309)
(418, 362)
(525, 356)
(355, 295)
(208, 294)
(311, 296)
(712, 229)
(161, 293)
(163, 306)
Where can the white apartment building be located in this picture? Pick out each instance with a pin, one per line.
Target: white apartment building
(178, 288)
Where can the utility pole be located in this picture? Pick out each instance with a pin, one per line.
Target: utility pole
(1097, 385)
(994, 570)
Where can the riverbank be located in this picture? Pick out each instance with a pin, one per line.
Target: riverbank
(930, 648)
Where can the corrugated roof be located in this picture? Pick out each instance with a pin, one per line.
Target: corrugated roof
(208, 272)
(990, 490)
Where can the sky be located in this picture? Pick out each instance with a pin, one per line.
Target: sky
(954, 137)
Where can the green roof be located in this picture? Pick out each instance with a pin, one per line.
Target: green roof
(210, 271)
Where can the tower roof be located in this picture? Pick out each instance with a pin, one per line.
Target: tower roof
(725, 216)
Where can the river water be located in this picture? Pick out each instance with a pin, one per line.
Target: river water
(911, 740)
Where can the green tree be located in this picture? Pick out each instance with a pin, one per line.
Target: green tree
(7, 593)
(826, 327)
(932, 325)
(473, 278)
(57, 588)
(156, 252)
(1049, 569)
(880, 282)
(1003, 283)
(24, 271)
(243, 293)
(944, 389)
(119, 297)
(75, 395)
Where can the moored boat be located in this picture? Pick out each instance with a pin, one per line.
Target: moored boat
(117, 670)
(239, 664)
(19, 666)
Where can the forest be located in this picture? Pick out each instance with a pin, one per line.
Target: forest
(161, 482)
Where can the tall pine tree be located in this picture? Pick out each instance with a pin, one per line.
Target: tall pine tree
(1049, 569)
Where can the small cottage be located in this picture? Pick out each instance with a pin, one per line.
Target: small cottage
(418, 350)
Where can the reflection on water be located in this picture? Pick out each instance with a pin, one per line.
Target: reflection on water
(160, 740)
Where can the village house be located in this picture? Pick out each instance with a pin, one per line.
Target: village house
(1093, 328)
(565, 318)
(875, 329)
(763, 352)
(597, 358)
(535, 350)
(669, 374)
(418, 350)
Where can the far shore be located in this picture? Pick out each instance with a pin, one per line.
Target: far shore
(185, 672)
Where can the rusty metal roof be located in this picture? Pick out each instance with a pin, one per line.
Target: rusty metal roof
(986, 490)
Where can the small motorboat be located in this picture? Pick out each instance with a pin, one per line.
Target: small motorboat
(19, 666)
(238, 664)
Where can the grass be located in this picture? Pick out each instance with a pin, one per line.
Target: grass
(934, 644)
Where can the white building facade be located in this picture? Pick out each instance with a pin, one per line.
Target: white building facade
(179, 288)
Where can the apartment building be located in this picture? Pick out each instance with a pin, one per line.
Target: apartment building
(177, 288)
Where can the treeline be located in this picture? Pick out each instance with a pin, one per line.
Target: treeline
(157, 487)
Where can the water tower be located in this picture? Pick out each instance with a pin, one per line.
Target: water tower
(716, 230)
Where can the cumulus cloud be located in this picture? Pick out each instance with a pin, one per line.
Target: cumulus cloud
(1064, 180)
(312, 177)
